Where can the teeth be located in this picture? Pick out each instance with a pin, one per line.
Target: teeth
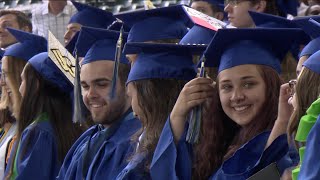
(241, 108)
(96, 105)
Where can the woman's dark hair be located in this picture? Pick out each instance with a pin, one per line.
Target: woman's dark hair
(156, 98)
(220, 137)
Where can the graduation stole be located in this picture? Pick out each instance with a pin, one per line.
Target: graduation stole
(306, 123)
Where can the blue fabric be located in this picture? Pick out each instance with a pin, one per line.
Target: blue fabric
(171, 161)
(175, 162)
(263, 46)
(288, 7)
(198, 35)
(164, 61)
(313, 62)
(310, 167)
(156, 24)
(50, 72)
(37, 157)
(111, 157)
(91, 16)
(304, 23)
(135, 169)
(312, 47)
(98, 44)
(218, 3)
(28, 45)
(156, 28)
(252, 157)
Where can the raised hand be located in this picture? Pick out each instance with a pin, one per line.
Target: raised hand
(194, 93)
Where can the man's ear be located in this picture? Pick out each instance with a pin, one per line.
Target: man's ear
(26, 29)
(260, 6)
(219, 15)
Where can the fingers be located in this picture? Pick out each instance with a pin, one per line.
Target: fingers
(200, 95)
(199, 80)
(285, 92)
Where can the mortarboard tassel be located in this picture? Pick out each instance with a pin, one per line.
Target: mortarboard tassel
(195, 115)
(116, 64)
(79, 113)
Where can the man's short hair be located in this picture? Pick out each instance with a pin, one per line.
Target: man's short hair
(22, 19)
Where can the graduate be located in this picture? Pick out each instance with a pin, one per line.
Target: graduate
(45, 130)
(87, 16)
(101, 152)
(154, 83)
(238, 15)
(13, 62)
(238, 113)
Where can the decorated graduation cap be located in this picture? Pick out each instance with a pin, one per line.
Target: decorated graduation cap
(234, 47)
(312, 28)
(50, 72)
(198, 35)
(156, 24)
(91, 16)
(163, 61)
(98, 44)
(28, 45)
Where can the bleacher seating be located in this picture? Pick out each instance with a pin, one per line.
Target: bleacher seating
(114, 6)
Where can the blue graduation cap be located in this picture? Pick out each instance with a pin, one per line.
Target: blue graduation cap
(98, 44)
(233, 47)
(163, 61)
(312, 28)
(288, 7)
(198, 35)
(72, 43)
(28, 45)
(91, 16)
(156, 24)
(313, 62)
(304, 24)
(265, 20)
(50, 72)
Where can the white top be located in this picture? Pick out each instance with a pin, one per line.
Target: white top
(4, 146)
(42, 20)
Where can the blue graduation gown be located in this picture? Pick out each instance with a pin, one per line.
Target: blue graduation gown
(37, 154)
(310, 167)
(135, 169)
(170, 161)
(111, 156)
(175, 162)
(252, 157)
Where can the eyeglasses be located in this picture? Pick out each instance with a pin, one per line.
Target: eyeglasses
(233, 2)
(292, 84)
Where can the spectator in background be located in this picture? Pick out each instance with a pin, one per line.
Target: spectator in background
(213, 8)
(13, 19)
(52, 15)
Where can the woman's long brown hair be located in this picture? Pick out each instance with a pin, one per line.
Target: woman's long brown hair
(156, 98)
(307, 90)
